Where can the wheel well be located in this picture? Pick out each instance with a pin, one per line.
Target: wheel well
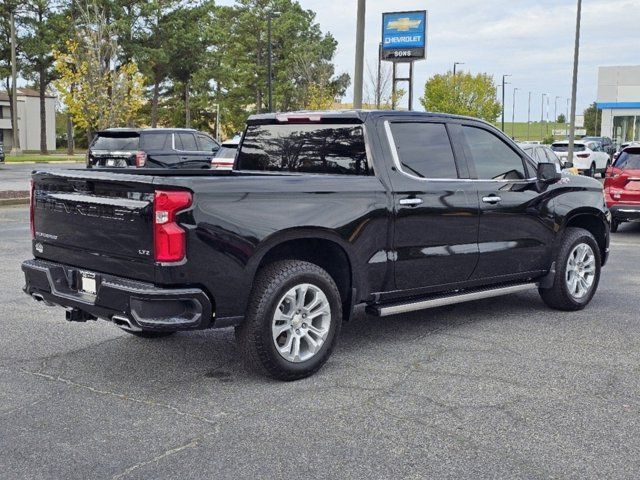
(592, 224)
(326, 254)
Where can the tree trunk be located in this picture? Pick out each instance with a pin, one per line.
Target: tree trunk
(154, 101)
(69, 135)
(43, 113)
(187, 109)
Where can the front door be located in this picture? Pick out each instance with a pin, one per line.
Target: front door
(436, 207)
(516, 230)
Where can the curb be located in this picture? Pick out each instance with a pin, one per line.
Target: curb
(5, 202)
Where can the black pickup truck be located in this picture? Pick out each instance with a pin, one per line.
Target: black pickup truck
(323, 213)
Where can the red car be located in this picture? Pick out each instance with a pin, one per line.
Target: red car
(622, 187)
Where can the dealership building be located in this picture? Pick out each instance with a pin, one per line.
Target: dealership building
(28, 101)
(619, 100)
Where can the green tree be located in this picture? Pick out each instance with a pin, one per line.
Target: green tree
(592, 119)
(45, 28)
(462, 94)
(561, 118)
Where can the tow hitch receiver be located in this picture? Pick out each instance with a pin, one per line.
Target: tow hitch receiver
(77, 315)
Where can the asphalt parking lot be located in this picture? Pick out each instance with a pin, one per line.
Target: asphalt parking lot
(16, 176)
(502, 388)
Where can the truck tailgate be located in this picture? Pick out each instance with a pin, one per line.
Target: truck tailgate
(95, 221)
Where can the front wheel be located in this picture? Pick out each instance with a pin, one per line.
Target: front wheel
(292, 321)
(592, 170)
(578, 272)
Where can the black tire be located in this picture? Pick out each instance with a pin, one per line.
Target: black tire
(614, 225)
(592, 171)
(255, 333)
(149, 333)
(558, 296)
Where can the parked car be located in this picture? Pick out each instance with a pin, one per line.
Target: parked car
(151, 148)
(622, 147)
(605, 142)
(1, 154)
(589, 157)
(622, 187)
(542, 153)
(323, 213)
(225, 157)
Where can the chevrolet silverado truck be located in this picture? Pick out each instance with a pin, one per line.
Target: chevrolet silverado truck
(323, 213)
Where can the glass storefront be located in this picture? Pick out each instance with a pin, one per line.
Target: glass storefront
(626, 128)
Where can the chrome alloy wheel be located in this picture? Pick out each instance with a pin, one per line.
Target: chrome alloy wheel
(581, 271)
(301, 322)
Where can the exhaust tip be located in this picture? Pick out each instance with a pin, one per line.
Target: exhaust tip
(125, 323)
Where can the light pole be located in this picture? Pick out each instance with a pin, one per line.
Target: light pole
(555, 113)
(358, 74)
(542, 118)
(574, 84)
(503, 84)
(513, 113)
(455, 64)
(529, 119)
(270, 16)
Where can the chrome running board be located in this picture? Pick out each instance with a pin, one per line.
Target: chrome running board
(451, 299)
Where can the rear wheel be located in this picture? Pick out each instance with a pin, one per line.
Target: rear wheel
(578, 272)
(292, 321)
(592, 170)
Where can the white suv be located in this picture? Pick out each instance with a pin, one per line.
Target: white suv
(588, 157)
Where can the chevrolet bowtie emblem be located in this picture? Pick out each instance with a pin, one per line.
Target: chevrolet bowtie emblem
(403, 24)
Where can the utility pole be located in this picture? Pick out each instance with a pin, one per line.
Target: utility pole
(455, 64)
(542, 118)
(547, 115)
(379, 80)
(358, 74)
(529, 119)
(503, 84)
(574, 84)
(15, 148)
(513, 113)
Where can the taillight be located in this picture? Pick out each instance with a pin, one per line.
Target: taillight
(32, 207)
(169, 237)
(141, 159)
(582, 155)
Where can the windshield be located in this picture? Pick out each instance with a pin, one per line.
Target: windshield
(564, 147)
(116, 143)
(311, 148)
(226, 152)
(628, 160)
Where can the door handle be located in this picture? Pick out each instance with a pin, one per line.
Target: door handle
(410, 201)
(493, 199)
(184, 158)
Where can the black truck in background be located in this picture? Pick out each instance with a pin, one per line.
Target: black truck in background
(323, 212)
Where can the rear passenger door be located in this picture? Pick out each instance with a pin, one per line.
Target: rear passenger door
(189, 154)
(516, 231)
(436, 207)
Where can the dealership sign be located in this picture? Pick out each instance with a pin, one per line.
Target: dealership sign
(404, 36)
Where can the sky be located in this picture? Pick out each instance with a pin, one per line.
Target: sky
(531, 40)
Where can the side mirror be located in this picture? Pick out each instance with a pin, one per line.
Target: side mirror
(547, 173)
(567, 165)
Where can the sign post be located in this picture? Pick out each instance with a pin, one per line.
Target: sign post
(404, 40)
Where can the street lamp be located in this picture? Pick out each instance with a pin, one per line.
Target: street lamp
(270, 16)
(455, 64)
(359, 67)
(513, 112)
(529, 119)
(503, 84)
(574, 84)
(555, 113)
(542, 117)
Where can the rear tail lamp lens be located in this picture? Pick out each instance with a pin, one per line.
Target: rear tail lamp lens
(169, 237)
(582, 155)
(141, 159)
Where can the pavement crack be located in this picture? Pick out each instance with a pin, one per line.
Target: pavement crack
(124, 397)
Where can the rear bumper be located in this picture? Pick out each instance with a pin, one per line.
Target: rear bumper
(135, 305)
(625, 213)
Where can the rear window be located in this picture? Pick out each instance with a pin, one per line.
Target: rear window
(116, 142)
(564, 147)
(309, 148)
(629, 160)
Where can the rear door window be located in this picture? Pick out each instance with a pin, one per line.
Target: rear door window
(309, 148)
(424, 150)
(493, 158)
(186, 141)
(116, 143)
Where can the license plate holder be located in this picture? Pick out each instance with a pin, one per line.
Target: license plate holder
(88, 283)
